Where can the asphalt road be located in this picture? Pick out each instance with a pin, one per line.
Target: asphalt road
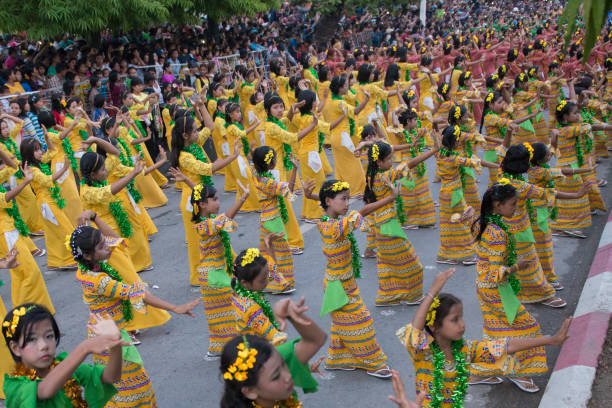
(174, 354)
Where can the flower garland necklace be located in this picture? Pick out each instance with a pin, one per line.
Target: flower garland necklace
(72, 389)
(68, 152)
(282, 206)
(414, 151)
(462, 172)
(82, 133)
(126, 160)
(198, 153)
(123, 220)
(246, 148)
(11, 146)
(227, 248)
(257, 297)
(437, 385)
(286, 147)
(528, 204)
(355, 258)
(550, 184)
(55, 191)
(136, 146)
(13, 211)
(126, 305)
(511, 256)
(292, 402)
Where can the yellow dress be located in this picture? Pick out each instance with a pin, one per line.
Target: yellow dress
(282, 83)
(373, 110)
(103, 294)
(245, 90)
(152, 194)
(56, 223)
(239, 168)
(250, 319)
(194, 170)
(6, 359)
(77, 134)
(311, 163)
(98, 199)
(490, 354)
(27, 283)
(343, 140)
(67, 183)
(218, 137)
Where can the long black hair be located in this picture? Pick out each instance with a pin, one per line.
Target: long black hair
(84, 240)
(90, 163)
(495, 193)
(488, 100)
(27, 149)
(563, 109)
(182, 125)
(455, 114)
(337, 82)
(384, 150)
(516, 160)
(447, 301)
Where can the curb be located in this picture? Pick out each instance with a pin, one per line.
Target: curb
(570, 383)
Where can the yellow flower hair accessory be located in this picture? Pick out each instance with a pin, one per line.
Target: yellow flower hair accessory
(529, 148)
(411, 93)
(414, 110)
(63, 102)
(489, 97)
(431, 313)
(457, 113)
(444, 88)
(561, 105)
(503, 68)
(495, 77)
(515, 52)
(409, 45)
(340, 186)
(522, 76)
(197, 192)
(532, 71)
(249, 257)
(609, 60)
(475, 39)
(360, 130)
(356, 50)
(12, 325)
(269, 156)
(503, 181)
(394, 48)
(423, 50)
(375, 152)
(456, 130)
(244, 361)
(67, 242)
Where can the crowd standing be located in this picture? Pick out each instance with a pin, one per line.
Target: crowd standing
(284, 117)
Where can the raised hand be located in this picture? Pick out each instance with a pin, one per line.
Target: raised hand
(104, 326)
(308, 187)
(392, 187)
(441, 278)
(176, 175)
(244, 191)
(10, 261)
(85, 217)
(399, 393)
(27, 172)
(314, 366)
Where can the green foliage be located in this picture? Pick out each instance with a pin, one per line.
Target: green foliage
(594, 13)
(50, 18)
(327, 7)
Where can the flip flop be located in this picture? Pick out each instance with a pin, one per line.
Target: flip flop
(416, 302)
(340, 368)
(574, 234)
(381, 373)
(555, 302)
(488, 381)
(39, 252)
(521, 385)
(447, 261)
(471, 261)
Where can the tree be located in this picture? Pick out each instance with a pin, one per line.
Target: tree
(594, 13)
(41, 19)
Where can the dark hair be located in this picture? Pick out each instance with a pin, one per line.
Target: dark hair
(206, 193)
(384, 150)
(491, 81)
(249, 271)
(368, 130)
(496, 96)
(34, 313)
(407, 116)
(232, 393)
(272, 100)
(337, 82)
(560, 113)
(327, 192)
(495, 193)
(464, 77)
(27, 148)
(259, 162)
(445, 95)
(447, 301)
(363, 74)
(392, 75)
(182, 124)
(68, 87)
(516, 160)
(99, 101)
(74, 99)
(83, 240)
(323, 72)
(90, 163)
(540, 150)
(309, 98)
(502, 70)
(452, 114)
(46, 119)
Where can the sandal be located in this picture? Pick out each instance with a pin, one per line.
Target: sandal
(487, 381)
(414, 303)
(602, 183)
(574, 234)
(410, 227)
(525, 385)
(381, 373)
(471, 261)
(296, 251)
(554, 302)
(557, 285)
(39, 252)
(340, 368)
(447, 261)
(367, 254)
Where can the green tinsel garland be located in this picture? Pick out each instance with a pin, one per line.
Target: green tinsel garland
(550, 184)
(415, 151)
(321, 141)
(13, 211)
(126, 160)
(286, 147)
(56, 193)
(68, 152)
(198, 153)
(137, 146)
(126, 306)
(11, 146)
(461, 377)
(528, 205)
(355, 257)
(125, 227)
(227, 248)
(511, 256)
(282, 206)
(258, 298)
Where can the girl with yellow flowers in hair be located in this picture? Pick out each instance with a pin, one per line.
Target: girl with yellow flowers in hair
(216, 259)
(443, 359)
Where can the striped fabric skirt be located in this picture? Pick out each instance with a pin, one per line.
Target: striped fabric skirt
(471, 194)
(400, 273)
(370, 233)
(595, 199)
(534, 286)
(352, 339)
(456, 240)
(544, 249)
(282, 274)
(219, 310)
(134, 389)
(496, 326)
(574, 214)
(418, 204)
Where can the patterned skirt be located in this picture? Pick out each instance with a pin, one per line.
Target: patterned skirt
(418, 204)
(456, 241)
(281, 275)
(574, 214)
(534, 286)
(544, 249)
(471, 194)
(352, 339)
(134, 389)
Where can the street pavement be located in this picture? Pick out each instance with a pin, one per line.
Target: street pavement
(174, 354)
